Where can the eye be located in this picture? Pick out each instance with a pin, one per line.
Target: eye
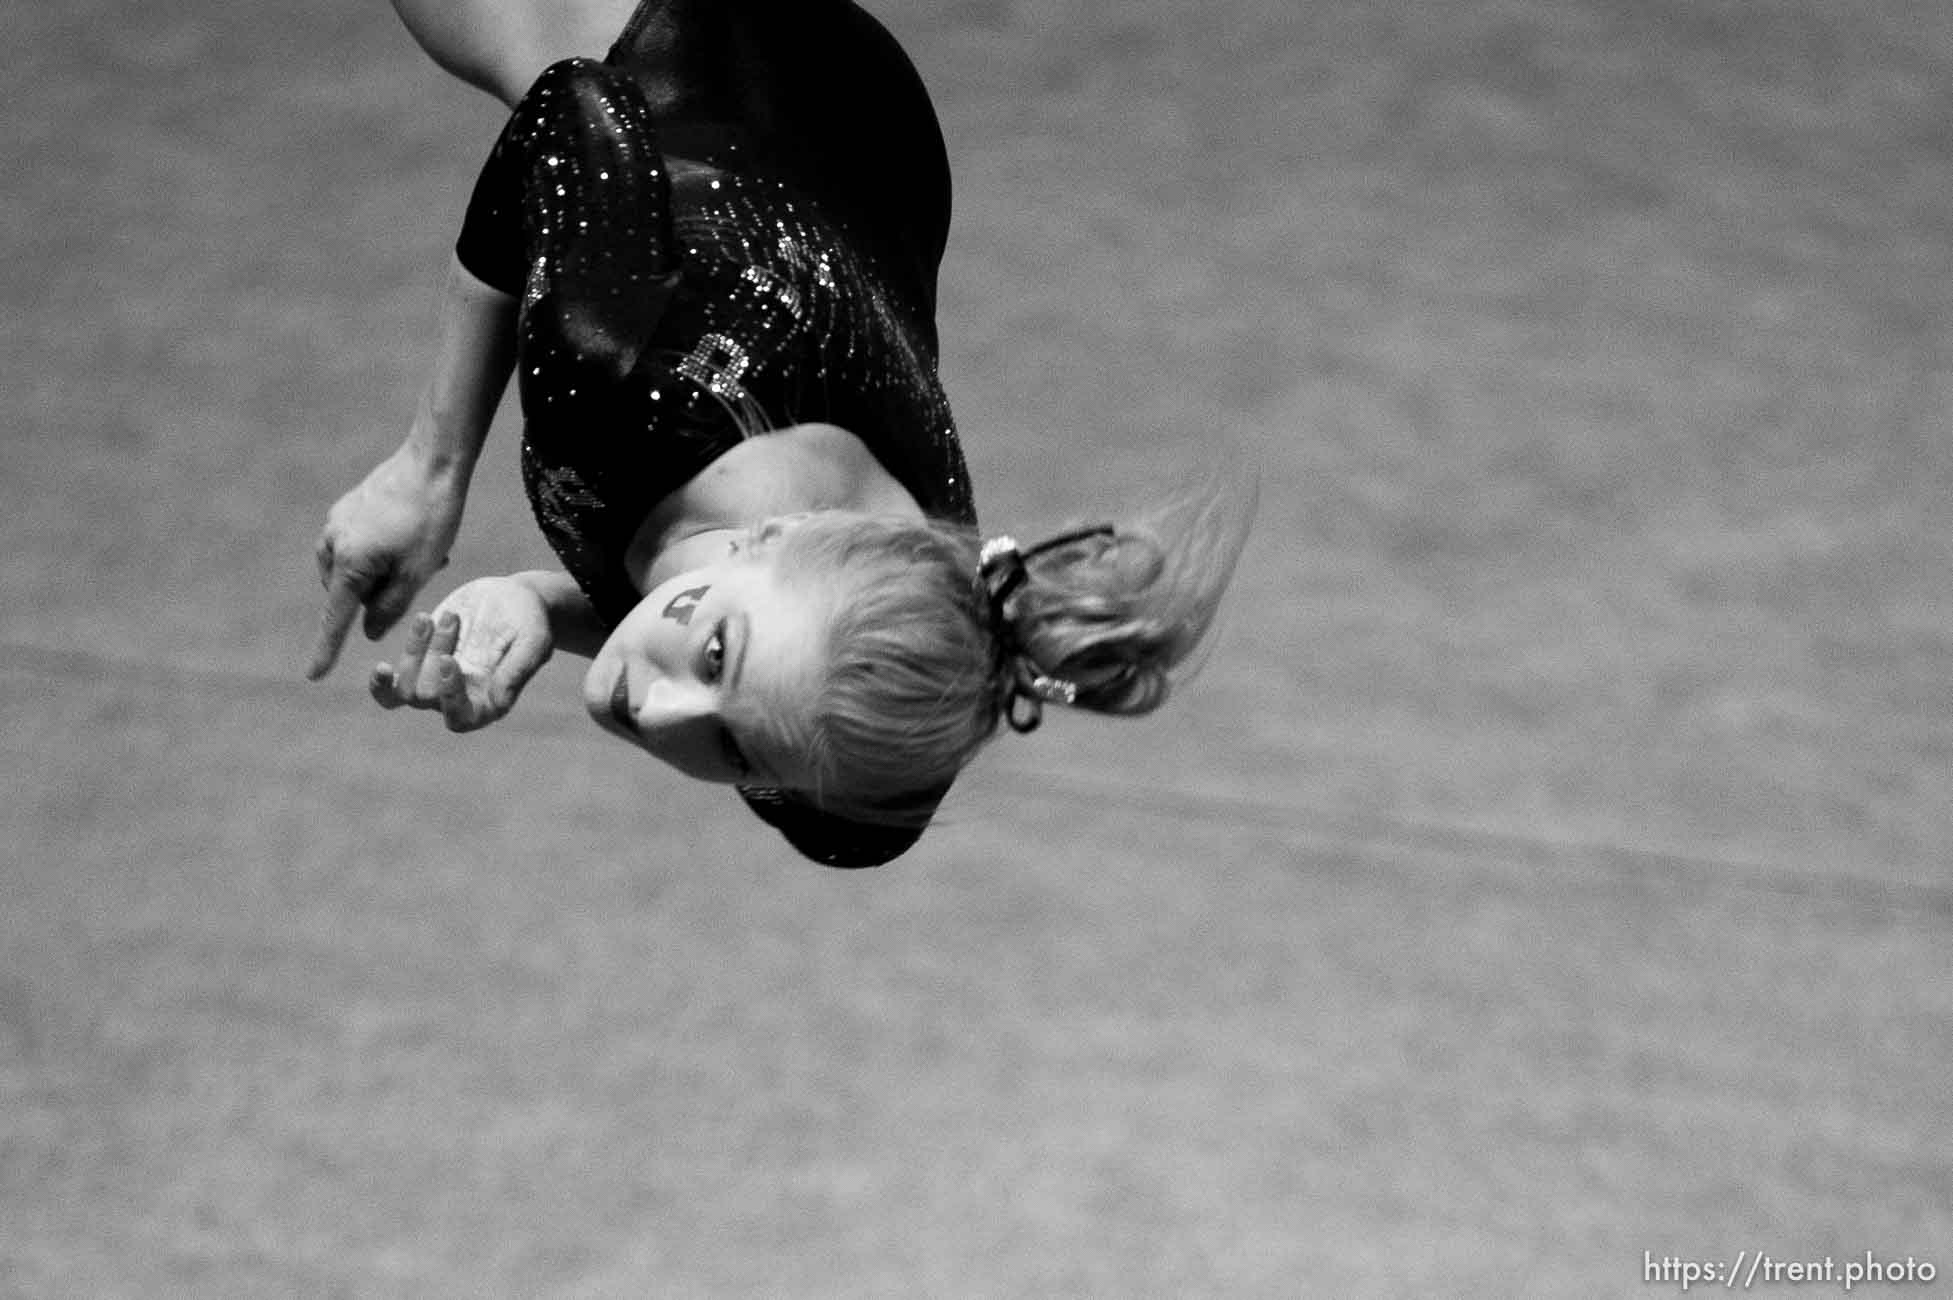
(715, 654)
(712, 670)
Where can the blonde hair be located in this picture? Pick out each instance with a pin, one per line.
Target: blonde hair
(921, 666)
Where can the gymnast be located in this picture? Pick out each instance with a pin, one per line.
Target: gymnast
(710, 262)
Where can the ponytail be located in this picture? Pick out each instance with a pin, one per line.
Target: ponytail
(1104, 617)
(935, 639)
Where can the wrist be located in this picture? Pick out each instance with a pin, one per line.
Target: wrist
(437, 457)
(573, 623)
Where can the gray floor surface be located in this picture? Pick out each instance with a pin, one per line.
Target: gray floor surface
(1547, 875)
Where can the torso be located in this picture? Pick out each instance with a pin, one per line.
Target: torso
(732, 347)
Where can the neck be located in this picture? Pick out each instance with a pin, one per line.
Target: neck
(796, 470)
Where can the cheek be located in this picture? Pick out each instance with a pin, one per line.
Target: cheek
(634, 638)
(624, 646)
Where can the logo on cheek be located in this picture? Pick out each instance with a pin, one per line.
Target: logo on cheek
(680, 609)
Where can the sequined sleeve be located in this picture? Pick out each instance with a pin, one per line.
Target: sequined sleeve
(575, 191)
(490, 244)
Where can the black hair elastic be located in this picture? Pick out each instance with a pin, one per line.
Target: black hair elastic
(1002, 567)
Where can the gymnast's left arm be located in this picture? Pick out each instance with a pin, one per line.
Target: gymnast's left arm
(383, 540)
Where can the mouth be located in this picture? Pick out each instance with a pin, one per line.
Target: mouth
(620, 703)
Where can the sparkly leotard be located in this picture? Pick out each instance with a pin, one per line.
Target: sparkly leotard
(732, 224)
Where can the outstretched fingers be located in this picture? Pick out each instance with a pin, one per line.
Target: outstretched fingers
(398, 683)
(406, 673)
(447, 634)
(469, 660)
(345, 591)
(458, 708)
(385, 691)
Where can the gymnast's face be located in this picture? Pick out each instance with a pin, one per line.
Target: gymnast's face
(701, 662)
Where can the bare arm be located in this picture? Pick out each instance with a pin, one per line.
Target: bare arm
(384, 539)
(501, 46)
(573, 623)
(477, 355)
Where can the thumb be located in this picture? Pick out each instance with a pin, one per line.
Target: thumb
(526, 654)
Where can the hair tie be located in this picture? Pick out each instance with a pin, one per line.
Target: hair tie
(1002, 567)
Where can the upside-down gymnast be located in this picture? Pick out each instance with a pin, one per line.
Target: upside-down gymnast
(710, 260)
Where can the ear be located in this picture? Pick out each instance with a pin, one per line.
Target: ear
(770, 530)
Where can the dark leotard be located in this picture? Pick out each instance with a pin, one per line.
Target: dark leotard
(732, 224)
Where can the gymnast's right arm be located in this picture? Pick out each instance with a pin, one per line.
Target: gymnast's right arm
(383, 540)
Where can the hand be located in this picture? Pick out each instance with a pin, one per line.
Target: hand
(381, 543)
(470, 658)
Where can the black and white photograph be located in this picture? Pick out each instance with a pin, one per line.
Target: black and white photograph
(976, 649)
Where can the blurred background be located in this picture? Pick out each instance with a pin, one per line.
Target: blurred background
(1549, 870)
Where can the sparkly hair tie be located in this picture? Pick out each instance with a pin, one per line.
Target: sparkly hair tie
(1002, 567)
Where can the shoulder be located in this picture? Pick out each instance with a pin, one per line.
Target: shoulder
(798, 468)
(775, 472)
